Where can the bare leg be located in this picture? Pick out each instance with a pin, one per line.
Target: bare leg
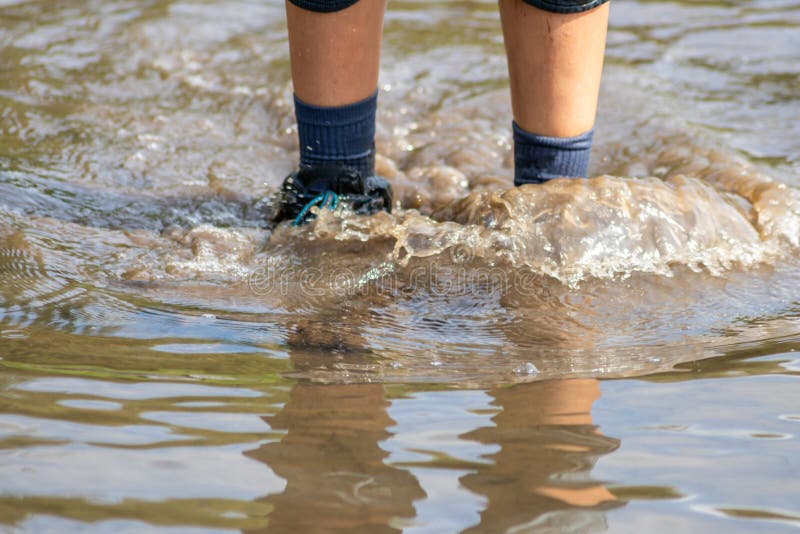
(335, 56)
(554, 63)
(335, 48)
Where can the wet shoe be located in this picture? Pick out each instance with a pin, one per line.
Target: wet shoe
(331, 186)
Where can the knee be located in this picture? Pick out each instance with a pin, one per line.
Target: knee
(565, 6)
(323, 6)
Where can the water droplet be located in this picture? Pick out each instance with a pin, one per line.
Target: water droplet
(528, 369)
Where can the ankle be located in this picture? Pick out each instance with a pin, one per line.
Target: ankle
(539, 158)
(343, 135)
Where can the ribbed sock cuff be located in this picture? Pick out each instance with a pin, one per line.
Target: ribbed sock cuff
(340, 134)
(538, 158)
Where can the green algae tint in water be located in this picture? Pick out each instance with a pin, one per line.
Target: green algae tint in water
(613, 354)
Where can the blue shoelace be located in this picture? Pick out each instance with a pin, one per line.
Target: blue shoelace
(328, 199)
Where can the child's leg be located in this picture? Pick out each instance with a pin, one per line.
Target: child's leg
(335, 54)
(555, 57)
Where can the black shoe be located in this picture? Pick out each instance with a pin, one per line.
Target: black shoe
(329, 186)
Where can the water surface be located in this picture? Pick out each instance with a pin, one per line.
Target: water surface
(605, 354)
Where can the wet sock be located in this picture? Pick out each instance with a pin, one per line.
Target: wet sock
(339, 134)
(538, 158)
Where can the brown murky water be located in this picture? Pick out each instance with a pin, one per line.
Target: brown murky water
(612, 354)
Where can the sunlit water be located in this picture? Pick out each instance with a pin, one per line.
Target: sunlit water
(611, 354)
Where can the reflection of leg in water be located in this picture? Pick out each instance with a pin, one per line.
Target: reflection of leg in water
(333, 465)
(329, 341)
(548, 446)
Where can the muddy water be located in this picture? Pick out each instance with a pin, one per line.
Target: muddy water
(609, 354)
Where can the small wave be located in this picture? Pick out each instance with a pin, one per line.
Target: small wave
(603, 227)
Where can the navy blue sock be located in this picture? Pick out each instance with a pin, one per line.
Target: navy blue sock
(339, 134)
(538, 158)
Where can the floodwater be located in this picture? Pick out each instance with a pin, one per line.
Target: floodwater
(613, 354)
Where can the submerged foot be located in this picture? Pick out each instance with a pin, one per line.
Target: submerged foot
(331, 186)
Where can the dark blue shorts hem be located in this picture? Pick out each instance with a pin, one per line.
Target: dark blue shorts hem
(323, 6)
(566, 6)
